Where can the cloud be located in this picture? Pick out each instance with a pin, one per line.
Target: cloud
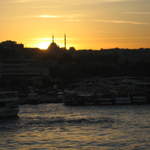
(73, 1)
(79, 18)
(138, 12)
(115, 0)
(24, 1)
(66, 18)
(122, 22)
(48, 16)
(72, 20)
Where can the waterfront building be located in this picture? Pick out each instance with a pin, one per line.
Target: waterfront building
(22, 71)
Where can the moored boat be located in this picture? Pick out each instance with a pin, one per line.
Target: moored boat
(72, 98)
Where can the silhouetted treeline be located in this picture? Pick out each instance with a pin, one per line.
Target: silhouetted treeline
(73, 64)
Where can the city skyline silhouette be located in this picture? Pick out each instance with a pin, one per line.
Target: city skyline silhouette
(88, 24)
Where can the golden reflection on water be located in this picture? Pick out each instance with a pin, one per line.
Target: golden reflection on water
(62, 138)
(39, 129)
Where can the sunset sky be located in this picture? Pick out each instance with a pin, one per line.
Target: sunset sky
(88, 24)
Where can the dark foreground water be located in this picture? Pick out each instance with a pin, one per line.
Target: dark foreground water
(54, 127)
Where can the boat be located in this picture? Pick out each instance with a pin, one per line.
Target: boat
(71, 98)
(139, 99)
(122, 100)
(76, 98)
(31, 96)
(9, 107)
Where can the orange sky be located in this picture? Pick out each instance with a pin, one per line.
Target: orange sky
(88, 24)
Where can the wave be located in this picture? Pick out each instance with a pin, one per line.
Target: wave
(69, 121)
(38, 121)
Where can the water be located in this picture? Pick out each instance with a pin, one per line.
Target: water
(56, 127)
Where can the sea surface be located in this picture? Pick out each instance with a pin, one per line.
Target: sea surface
(57, 127)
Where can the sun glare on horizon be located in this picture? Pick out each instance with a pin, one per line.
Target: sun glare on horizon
(44, 42)
(43, 45)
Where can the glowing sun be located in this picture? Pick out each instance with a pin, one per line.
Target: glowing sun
(43, 45)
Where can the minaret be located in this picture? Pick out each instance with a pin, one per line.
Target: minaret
(65, 41)
(53, 39)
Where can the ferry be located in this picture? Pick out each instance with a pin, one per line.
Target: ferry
(9, 107)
